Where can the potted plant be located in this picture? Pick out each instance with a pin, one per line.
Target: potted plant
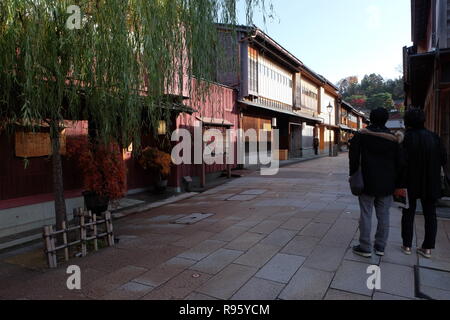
(158, 161)
(103, 171)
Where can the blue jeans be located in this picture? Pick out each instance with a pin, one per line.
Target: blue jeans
(382, 206)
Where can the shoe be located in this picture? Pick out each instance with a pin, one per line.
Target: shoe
(360, 252)
(379, 253)
(407, 250)
(426, 253)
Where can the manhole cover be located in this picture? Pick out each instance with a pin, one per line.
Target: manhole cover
(193, 218)
(254, 192)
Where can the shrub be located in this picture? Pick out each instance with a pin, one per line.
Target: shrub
(152, 158)
(102, 167)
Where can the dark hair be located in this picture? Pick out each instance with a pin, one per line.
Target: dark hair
(379, 117)
(415, 118)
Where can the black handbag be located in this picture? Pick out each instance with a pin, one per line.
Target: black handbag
(357, 182)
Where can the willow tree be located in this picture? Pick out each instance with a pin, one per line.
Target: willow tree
(114, 66)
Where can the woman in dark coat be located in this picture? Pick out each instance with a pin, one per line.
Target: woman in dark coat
(424, 158)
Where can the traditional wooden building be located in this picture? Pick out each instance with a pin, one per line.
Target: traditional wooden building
(427, 64)
(351, 121)
(26, 188)
(277, 91)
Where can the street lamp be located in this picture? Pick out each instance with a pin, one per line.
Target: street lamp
(330, 111)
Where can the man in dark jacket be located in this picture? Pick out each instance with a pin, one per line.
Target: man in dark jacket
(377, 151)
(424, 157)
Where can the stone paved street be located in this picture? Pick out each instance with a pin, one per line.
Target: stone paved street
(282, 237)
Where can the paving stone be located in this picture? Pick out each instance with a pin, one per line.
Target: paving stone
(230, 234)
(194, 239)
(307, 284)
(259, 290)
(245, 241)
(281, 268)
(351, 214)
(164, 272)
(266, 227)
(352, 277)
(282, 203)
(326, 217)
(180, 287)
(435, 293)
(279, 238)
(217, 261)
(220, 226)
(242, 198)
(250, 222)
(333, 294)
(222, 197)
(225, 284)
(325, 258)
(395, 236)
(316, 229)
(296, 224)
(433, 263)
(129, 291)
(114, 280)
(397, 280)
(199, 297)
(284, 215)
(318, 205)
(301, 246)
(181, 263)
(394, 254)
(341, 233)
(435, 278)
(257, 256)
(306, 214)
(202, 250)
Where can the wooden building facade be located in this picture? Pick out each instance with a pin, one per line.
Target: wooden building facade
(277, 91)
(26, 185)
(427, 64)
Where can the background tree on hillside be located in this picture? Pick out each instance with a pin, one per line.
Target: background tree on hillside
(373, 92)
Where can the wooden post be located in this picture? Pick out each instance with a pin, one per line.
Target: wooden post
(203, 176)
(109, 228)
(52, 249)
(203, 168)
(83, 236)
(90, 219)
(94, 219)
(66, 247)
(48, 246)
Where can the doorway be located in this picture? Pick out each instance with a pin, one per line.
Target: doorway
(295, 150)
